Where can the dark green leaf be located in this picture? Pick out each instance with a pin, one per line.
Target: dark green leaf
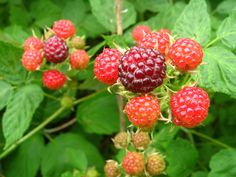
(23, 19)
(200, 174)
(5, 94)
(151, 5)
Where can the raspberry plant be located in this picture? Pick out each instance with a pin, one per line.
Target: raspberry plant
(118, 88)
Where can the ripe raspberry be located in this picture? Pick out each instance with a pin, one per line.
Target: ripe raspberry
(53, 79)
(140, 31)
(141, 140)
(143, 111)
(142, 70)
(111, 169)
(77, 42)
(106, 66)
(32, 59)
(155, 164)
(156, 40)
(55, 50)
(133, 163)
(79, 59)
(186, 54)
(64, 28)
(121, 140)
(33, 43)
(189, 106)
(163, 30)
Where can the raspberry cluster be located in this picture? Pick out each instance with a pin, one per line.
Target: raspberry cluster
(54, 47)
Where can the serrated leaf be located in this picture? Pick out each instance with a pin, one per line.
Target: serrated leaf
(194, 22)
(227, 31)
(5, 94)
(19, 112)
(97, 120)
(223, 164)
(25, 161)
(182, 157)
(218, 74)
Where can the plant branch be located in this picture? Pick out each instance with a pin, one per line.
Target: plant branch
(212, 42)
(61, 127)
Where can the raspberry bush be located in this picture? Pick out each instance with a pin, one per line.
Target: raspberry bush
(118, 88)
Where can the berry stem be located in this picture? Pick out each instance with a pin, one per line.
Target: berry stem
(61, 127)
(50, 96)
(212, 42)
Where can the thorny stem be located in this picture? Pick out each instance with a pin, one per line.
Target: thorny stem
(61, 127)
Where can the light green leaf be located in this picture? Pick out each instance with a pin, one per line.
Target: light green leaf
(194, 22)
(222, 164)
(5, 94)
(182, 157)
(25, 161)
(151, 5)
(19, 112)
(227, 31)
(218, 74)
(226, 7)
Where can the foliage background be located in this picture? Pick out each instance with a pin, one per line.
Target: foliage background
(206, 151)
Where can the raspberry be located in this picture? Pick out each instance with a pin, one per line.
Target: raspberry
(140, 31)
(77, 42)
(33, 43)
(140, 140)
(79, 59)
(155, 164)
(186, 54)
(189, 106)
(163, 30)
(111, 169)
(121, 140)
(53, 79)
(143, 111)
(142, 70)
(32, 59)
(64, 28)
(156, 40)
(133, 163)
(55, 50)
(106, 66)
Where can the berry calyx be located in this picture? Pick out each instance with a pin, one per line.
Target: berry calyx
(55, 50)
(121, 140)
(142, 70)
(32, 60)
(33, 43)
(106, 66)
(141, 140)
(53, 79)
(111, 169)
(156, 40)
(64, 28)
(155, 164)
(79, 59)
(186, 54)
(143, 111)
(189, 106)
(133, 163)
(140, 31)
(77, 42)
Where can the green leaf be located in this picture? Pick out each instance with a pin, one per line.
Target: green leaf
(67, 152)
(5, 94)
(97, 120)
(194, 22)
(151, 5)
(227, 31)
(19, 112)
(218, 74)
(104, 11)
(226, 7)
(222, 164)
(19, 16)
(25, 161)
(182, 157)
(200, 174)
(75, 173)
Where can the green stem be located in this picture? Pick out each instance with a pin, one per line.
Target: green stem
(50, 96)
(212, 42)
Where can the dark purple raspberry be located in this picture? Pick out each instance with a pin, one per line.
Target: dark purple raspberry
(55, 50)
(142, 70)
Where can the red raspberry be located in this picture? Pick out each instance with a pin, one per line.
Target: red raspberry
(79, 59)
(155, 164)
(156, 40)
(142, 70)
(53, 79)
(111, 169)
(143, 111)
(186, 54)
(55, 50)
(189, 106)
(106, 66)
(64, 28)
(133, 163)
(33, 43)
(121, 140)
(32, 59)
(140, 31)
(141, 140)
(163, 30)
